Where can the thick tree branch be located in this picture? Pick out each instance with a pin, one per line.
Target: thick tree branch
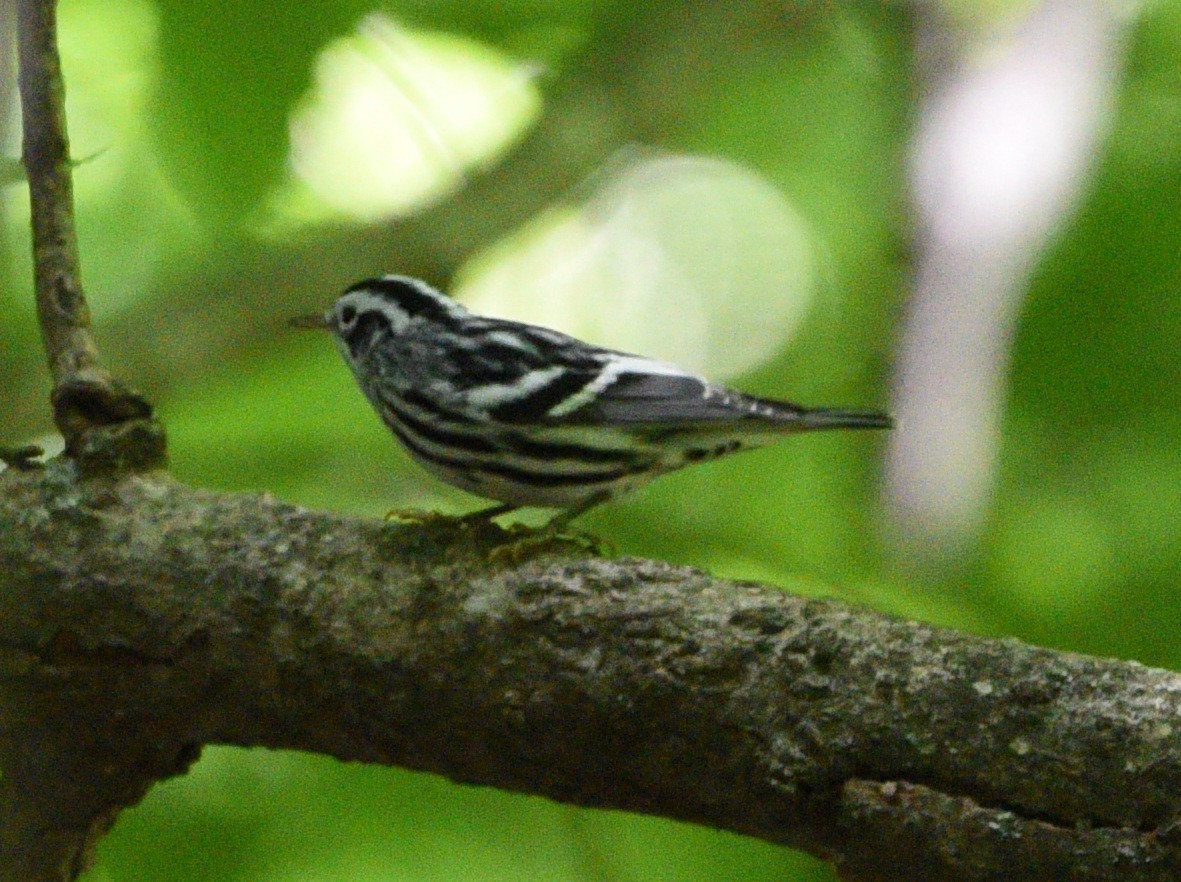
(140, 619)
(84, 394)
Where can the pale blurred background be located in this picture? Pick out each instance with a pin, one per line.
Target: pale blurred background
(967, 212)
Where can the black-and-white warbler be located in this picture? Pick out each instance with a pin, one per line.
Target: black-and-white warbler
(532, 417)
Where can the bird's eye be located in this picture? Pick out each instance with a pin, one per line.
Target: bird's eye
(348, 315)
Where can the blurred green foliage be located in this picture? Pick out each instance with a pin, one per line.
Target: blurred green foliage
(185, 110)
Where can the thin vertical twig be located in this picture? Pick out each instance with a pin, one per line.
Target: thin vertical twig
(61, 306)
(85, 395)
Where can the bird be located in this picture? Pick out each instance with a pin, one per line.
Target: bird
(531, 417)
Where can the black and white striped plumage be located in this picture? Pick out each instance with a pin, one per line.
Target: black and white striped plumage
(531, 417)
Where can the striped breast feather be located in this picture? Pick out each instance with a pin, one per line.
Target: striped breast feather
(530, 470)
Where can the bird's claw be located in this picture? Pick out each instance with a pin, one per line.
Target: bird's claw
(421, 517)
(529, 542)
(22, 458)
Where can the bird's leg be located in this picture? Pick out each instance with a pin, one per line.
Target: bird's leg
(535, 541)
(487, 514)
(562, 519)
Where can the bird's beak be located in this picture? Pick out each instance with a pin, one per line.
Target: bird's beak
(317, 321)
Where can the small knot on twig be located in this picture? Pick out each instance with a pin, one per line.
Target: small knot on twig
(92, 397)
(107, 426)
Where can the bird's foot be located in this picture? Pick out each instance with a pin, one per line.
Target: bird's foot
(421, 517)
(524, 543)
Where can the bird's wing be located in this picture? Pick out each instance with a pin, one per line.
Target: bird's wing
(658, 400)
(530, 375)
(652, 393)
(517, 373)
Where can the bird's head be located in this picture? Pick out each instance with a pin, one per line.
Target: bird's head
(389, 304)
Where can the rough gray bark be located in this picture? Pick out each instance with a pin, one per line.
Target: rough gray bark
(141, 619)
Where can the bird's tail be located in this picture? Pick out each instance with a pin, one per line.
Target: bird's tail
(743, 422)
(821, 418)
(783, 416)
